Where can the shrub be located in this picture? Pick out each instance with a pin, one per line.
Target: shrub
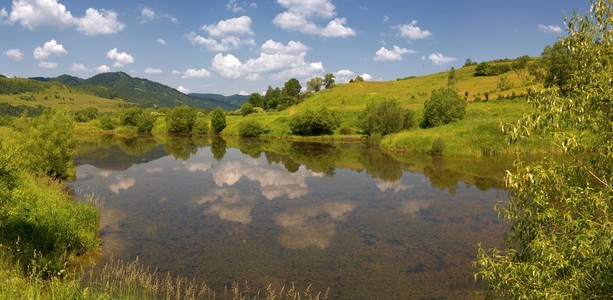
(218, 120)
(201, 126)
(181, 119)
(106, 123)
(345, 130)
(438, 146)
(251, 128)
(247, 109)
(45, 145)
(384, 117)
(145, 121)
(322, 121)
(444, 106)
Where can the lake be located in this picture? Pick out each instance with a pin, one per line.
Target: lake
(366, 223)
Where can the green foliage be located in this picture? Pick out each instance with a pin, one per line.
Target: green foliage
(314, 84)
(444, 106)
(218, 120)
(106, 122)
(129, 116)
(41, 228)
(491, 69)
(504, 84)
(201, 126)
(292, 88)
(319, 122)
(85, 115)
(519, 66)
(247, 109)
(146, 120)
(45, 145)
(18, 110)
(438, 146)
(451, 78)
(329, 81)
(256, 100)
(384, 117)
(558, 66)
(560, 214)
(181, 119)
(251, 128)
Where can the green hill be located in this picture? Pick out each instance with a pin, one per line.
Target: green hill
(235, 100)
(478, 134)
(141, 91)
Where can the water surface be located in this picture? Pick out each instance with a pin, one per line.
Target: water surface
(365, 223)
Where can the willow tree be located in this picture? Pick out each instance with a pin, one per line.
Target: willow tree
(560, 239)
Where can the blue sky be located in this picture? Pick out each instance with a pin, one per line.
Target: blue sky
(234, 46)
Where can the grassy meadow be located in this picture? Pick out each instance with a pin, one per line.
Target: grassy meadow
(478, 134)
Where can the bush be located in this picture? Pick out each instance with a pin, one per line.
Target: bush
(45, 145)
(444, 106)
(247, 109)
(345, 130)
(145, 121)
(384, 117)
(181, 119)
(251, 128)
(106, 123)
(218, 120)
(438, 146)
(322, 121)
(201, 126)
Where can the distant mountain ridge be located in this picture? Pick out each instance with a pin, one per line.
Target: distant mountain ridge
(145, 92)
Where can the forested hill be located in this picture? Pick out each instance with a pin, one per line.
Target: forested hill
(138, 90)
(237, 100)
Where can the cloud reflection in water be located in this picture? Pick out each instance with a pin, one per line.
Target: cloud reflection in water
(228, 205)
(274, 181)
(312, 226)
(122, 183)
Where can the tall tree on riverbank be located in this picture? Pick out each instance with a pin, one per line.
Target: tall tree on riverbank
(561, 210)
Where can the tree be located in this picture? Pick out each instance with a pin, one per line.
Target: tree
(469, 62)
(329, 81)
(181, 119)
(272, 98)
(292, 88)
(218, 120)
(560, 214)
(557, 63)
(384, 117)
(314, 84)
(451, 77)
(519, 66)
(256, 100)
(444, 106)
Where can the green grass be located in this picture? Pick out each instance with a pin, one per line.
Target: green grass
(478, 134)
(59, 97)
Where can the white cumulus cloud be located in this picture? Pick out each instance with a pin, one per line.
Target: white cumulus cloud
(79, 68)
(47, 65)
(99, 22)
(183, 89)
(103, 69)
(225, 35)
(550, 28)
(35, 14)
(49, 48)
(412, 32)
(161, 41)
(14, 54)
(276, 59)
(395, 54)
(153, 71)
(193, 73)
(120, 58)
(301, 15)
(440, 59)
(235, 26)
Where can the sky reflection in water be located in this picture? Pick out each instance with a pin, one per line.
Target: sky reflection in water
(246, 217)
